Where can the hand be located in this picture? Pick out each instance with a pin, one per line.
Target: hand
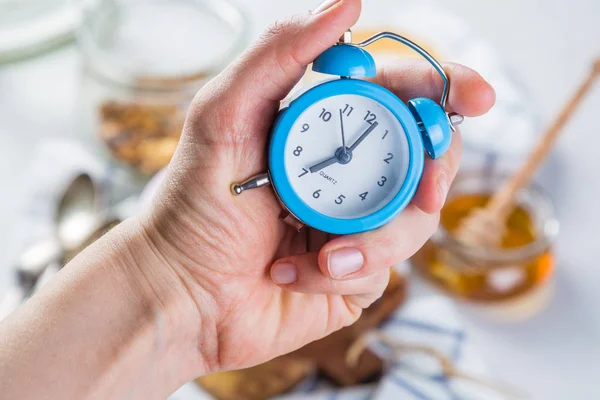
(257, 287)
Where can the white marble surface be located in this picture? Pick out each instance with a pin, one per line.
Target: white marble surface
(555, 355)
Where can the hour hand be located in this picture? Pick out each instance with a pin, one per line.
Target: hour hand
(323, 164)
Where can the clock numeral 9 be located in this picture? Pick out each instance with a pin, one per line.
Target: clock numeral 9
(363, 196)
(298, 151)
(370, 117)
(317, 194)
(325, 115)
(305, 127)
(340, 199)
(382, 181)
(389, 157)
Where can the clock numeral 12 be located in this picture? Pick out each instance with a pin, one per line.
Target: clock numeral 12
(370, 117)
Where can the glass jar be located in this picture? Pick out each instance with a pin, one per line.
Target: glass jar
(143, 61)
(524, 261)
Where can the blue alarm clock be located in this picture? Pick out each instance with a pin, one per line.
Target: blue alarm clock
(347, 155)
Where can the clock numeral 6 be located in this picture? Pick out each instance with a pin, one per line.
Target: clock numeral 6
(340, 199)
(325, 115)
(298, 151)
(389, 157)
(317, 194)
(382, 181)
(363, 196)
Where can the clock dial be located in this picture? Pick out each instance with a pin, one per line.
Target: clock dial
(347, 156)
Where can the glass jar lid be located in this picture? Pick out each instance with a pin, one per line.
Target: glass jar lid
(160, 43)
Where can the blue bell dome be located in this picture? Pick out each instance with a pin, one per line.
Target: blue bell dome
(346, 60)
(433, 124)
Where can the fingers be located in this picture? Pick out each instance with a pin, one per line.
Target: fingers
(265, 74)
(364, 254)
(437, 177)
(470, 95)
(301, 273)
(361, 257)
(316, 240)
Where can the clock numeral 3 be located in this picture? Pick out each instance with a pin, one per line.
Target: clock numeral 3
(382, 181)
(340, 199)
(363, 196)
(387, 160)
(370, 117)
(303, 173)
(325, 115)
(317, 194)
(298, 151)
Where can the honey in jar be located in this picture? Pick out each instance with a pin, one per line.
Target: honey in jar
(523, 262)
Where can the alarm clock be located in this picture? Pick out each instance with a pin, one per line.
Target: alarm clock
(347, 155)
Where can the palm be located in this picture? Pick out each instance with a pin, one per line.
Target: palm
(263, 320)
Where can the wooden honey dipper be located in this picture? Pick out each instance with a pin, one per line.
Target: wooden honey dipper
(486, 226)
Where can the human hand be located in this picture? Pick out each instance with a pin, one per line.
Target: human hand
(256, 287)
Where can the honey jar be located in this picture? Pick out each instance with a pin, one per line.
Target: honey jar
(522, 263)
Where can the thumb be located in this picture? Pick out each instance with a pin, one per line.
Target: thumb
(269, 69)
(287, 47)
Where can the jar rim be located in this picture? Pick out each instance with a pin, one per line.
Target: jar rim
(546, 234)
(99, 61)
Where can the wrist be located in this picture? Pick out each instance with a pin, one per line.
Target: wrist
(181, 313)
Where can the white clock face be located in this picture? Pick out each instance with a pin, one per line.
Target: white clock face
(351, 175)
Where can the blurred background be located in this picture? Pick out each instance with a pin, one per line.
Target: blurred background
(100, 87)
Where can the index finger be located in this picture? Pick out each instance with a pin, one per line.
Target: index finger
(470, 95)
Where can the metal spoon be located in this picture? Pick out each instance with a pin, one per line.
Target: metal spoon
(75, 220)
(104, 223)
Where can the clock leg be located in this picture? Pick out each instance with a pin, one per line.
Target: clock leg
(252, 183)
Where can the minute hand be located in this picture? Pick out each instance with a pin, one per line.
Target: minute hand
(363, 136)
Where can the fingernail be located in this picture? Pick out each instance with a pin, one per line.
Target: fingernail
(325, 5)
(284, 274)
(344, 262)
(443, 186)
